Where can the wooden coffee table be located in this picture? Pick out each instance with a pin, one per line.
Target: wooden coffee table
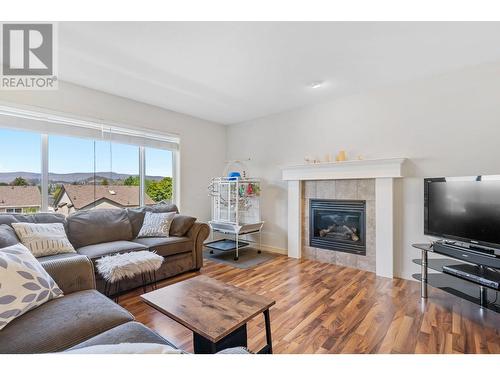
(216, 312)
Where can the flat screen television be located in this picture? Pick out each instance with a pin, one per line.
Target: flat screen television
(464, 209)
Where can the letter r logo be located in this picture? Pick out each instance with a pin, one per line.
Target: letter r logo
(27, 49)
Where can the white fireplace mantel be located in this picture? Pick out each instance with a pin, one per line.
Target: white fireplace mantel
(384, 171)
(355, 169)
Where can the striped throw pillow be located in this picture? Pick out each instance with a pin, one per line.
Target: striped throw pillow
(43, 239)
(156, 224)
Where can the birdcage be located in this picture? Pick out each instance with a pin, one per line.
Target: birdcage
(235, 203)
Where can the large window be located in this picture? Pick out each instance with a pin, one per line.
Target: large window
(20, 172)
(90, 174)
(159, 165)
(99, 169)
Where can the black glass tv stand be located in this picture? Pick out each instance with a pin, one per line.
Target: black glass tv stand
(455, 255)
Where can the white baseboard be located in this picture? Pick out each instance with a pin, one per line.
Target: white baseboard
(272, 249)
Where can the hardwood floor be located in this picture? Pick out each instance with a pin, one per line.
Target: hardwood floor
(323, 308)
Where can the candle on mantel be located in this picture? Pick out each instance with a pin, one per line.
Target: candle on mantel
(341, 156)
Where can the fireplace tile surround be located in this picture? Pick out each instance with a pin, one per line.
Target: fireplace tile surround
(346, 180)
(356, 189)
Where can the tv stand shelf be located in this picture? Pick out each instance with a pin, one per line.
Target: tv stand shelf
(466, 289)
(460, 288)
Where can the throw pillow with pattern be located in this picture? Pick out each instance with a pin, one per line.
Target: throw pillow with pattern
(44, 239)
(24, 283)
(156, 224)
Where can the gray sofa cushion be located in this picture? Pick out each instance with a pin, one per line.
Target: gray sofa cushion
(8, 219)
(129, 332)
(42, 217)
(7, 236)
(108, 248)
(136, 215)
(39, 218)
(181, 225)
(89, 227)
(166, 246)
(62, 323)
(55, 257)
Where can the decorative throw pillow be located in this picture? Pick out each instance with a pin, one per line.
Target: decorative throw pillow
(156, 224)
(181, 225)
(24, 283)
(136, 215)
(44, 239)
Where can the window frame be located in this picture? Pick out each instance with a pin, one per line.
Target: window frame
(44, 184)
(44, 143)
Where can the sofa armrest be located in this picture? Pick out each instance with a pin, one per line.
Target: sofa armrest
(72, 274)
(199, 232)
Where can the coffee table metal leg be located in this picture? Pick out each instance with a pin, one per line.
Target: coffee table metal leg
(269, 339)
(268, 349)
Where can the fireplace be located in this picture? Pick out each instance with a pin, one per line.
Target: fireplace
(338, 225)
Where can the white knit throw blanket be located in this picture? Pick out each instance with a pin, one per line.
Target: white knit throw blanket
(117, 267)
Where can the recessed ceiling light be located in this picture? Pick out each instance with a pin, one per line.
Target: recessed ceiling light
(316, 84)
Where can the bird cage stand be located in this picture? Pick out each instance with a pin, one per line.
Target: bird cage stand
(235, 212)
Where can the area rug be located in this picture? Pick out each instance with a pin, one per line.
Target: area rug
(248, 257)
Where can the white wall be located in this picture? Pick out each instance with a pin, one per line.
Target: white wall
(446, 125)
(202, 142)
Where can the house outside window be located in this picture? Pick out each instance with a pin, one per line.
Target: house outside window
(73, 198)
(20, 199)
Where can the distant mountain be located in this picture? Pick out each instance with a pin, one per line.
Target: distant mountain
(7, 177)
(68, 178)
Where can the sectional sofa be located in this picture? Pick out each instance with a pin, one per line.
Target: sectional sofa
(101, 232)
(84, 317)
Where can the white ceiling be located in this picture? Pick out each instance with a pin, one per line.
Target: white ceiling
(230, 72)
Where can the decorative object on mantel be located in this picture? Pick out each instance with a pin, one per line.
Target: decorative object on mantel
(311, 160)
(365, 168)
(341, 156)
